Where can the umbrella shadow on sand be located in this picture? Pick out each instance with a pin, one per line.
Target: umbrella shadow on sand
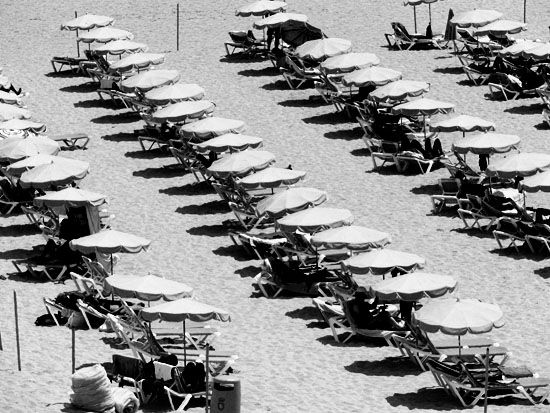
(120, 137)
(63, 74)
(277, 85)
(390, 366)
(533, 109)
(248, 272)
(355, 341)
(242, 58)
(360, 152)
(208, 208)
(449, 70)
(125, 117)
(237, 253)
(544, 273)
(305, 313)
(311, 102)
(201, 188)
(429, 189)
(266, 71)
(151, 154)
(216, 230)
(158, 172)
(329, 118)
(16, 254)
(345, 134)
(427, 398)
(83, 88)
(93, 103)
(18, 230)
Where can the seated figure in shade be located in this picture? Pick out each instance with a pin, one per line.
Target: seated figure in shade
(365, 313)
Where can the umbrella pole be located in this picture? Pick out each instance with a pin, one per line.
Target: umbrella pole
(430, 11)
(459, 348)
(77, 45)
(73, 358)
(524, 11)
(111, 264)
(207, 368)
(414, 12)
(486, 380)
(184, 346)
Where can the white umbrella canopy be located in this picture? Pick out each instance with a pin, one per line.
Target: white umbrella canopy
(137, 61)
(17, 168)
(458, 316)
(110, 242)
(10, 98)
(211, 127)
(148, 80)
(315, 219)
(241, 163)
(23, 124)
(539, 52)
(8, 112)
(279, 19)
(261, 8)
(146, 288)
(290, 200)
(105, 35)
(229, 142)
(321, 49)
(14, 149)
(399, 90)
(176, 92)
(87, 22)
(349, 62)
(500, 27)
(352, 237)
(463, 123)
(271, 177)
(376, 76)
(54, 174)
(475, 18)
(382, 261)
(413, 287)
(519, 164)
(72, 197)
(537, 182)
(184, 309)
(183, 111)
(415, 3)
(119, 47)
(486, 143)
(424, 107)
(519, 47)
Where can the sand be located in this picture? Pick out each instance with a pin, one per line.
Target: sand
(288, 359)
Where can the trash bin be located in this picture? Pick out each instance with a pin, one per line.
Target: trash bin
(226, 395)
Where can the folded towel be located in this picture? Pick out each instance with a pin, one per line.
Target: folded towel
(163, 371)
(92, 389)
(125, 400)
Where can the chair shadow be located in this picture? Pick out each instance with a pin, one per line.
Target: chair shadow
(150, 154)
(360, 152)
(158, 172)
(430, 189)
(211, 207)
(64, 74)
(114, 342)
(19, 230)
(266, 71)
(387, 170)
(83, 88)
(305, 313)
(299, 103)
(466, 82)
(543, 272)
(533, 109)
(248, 272)
(390, 366)
(93, 103)
(330, 118)
(196, 188)
(523, 254)
(355, 341)
(16, 254)
(27, 277)
(427, 398)
(216, 230)
(474, 232)
(318, 324)
(120, 137)
(449, 70)
(542, 126)
(236, 252)
(240, 58)
(345, 134)
(277, 85)
(120, 118)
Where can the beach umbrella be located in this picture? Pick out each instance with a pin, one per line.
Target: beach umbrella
(145, 287)
(315, 219)
(296, 33)
(137, 61)
(475, 18)
(148, 80)
(383, 261)
(413, 287)
(241, 163)
(17, 168)
(463, 123)
(271, 177)
(278, 20)
(261, 8)
(415, 3)
(23, 124)
(500, 27)
(71, 197)
(539, 52)
(519, 47)
(375, 76)
(349, 62)
(105, 35)
(537, 182)
(8, 112)
(177, 92)
(183, 111)
(519, 164)
(87, 22)
(423, 107)
(486, 143)
(13, 149)
(119, 47)
(55, 173)
(352, 237)
(399, 90)
(290, 200)
(211, 127)
(321, 49)
(229, 142)
(10, 98)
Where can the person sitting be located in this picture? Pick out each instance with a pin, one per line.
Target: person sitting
(366, 314)
(468, 187)
(435, 150)
(499, 205)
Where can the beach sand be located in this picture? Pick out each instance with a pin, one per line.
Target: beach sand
(289, 361)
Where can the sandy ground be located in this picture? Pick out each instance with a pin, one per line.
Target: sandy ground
(288, 359)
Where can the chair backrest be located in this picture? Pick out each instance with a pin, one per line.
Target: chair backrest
(449, 186)
(238, 36)
(401, 32)
(389, 146)
(84, 285)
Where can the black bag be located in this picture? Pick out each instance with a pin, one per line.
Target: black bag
(68, 299)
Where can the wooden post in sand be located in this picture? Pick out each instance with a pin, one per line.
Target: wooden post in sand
(178, 27)
(77, 45)
(73, 358)
(524, 11)
(1, 347)
(207, 367)
(17, 330)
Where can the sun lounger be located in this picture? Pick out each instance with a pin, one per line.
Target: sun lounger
(246, 45)
(54, 271)
(449, 194)
(297, 74)
(58, 62)
(401, 39)
(473, 217)
(258, 242)
(507, 230)
(72, 141)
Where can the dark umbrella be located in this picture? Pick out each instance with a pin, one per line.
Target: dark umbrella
(296, 33)
(450, 30)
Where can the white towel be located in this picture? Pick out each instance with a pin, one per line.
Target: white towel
(125, 400)
(163, 371)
